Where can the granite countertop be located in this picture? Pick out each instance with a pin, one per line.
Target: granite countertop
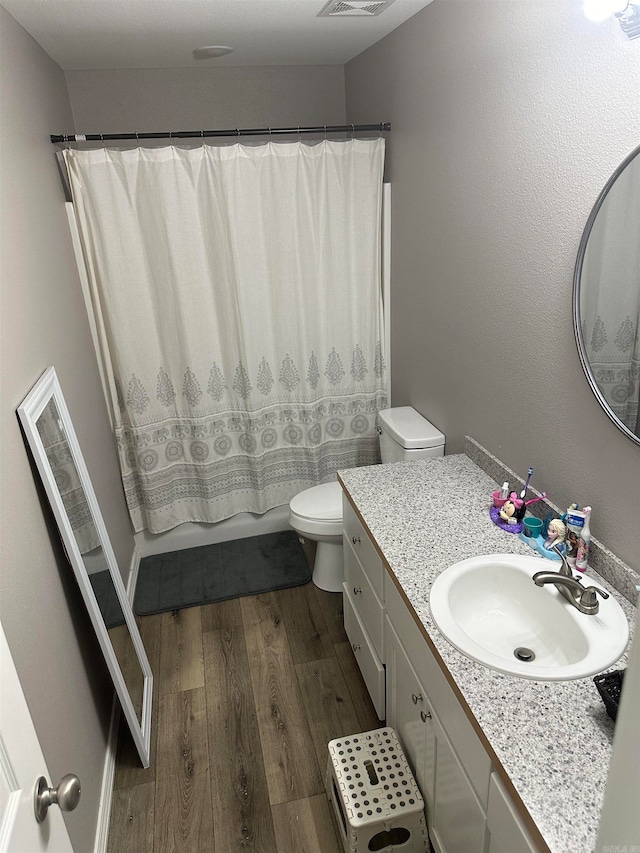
(553, 739)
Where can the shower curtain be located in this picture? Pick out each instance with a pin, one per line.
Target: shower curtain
(237, 296)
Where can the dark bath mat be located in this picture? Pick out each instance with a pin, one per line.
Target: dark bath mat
(217, 572)
(107, 598)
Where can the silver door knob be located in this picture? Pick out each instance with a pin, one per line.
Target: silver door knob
(416, 698)
(66, 795)
(357, 590)
(425, 716)
(355, 647)
(355, 539)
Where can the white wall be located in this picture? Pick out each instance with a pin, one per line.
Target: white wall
(166, 99)
(507, 120)
(43, 323)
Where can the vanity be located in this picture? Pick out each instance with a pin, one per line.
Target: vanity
(505, 764)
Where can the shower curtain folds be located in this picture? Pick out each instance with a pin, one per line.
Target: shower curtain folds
(237, 296)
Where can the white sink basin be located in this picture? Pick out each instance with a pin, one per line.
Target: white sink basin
(487, 607)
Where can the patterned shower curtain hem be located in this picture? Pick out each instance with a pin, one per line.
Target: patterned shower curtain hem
(209, 493)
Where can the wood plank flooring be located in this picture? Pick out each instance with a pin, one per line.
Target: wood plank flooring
(247, 693)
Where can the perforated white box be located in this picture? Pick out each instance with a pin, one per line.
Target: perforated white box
(376, 802)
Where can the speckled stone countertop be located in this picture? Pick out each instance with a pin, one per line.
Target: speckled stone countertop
(553, 739)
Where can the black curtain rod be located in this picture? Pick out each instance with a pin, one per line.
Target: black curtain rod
(203, 134)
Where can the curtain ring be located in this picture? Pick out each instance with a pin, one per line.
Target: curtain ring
(353, 130)
(238, 135)
(325, 132)
(381, 129)
(299, 138)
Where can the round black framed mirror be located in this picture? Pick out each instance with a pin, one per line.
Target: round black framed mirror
(606, 297)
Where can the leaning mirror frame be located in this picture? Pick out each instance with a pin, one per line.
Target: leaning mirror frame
(44, 391)
(577, 326)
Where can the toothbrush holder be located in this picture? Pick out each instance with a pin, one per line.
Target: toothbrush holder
(532, 526)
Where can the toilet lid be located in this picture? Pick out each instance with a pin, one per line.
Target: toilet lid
(409, 429)
(323, 503)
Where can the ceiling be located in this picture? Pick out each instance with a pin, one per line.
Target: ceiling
(84, 34)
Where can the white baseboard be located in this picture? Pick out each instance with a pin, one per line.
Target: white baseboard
(108, 777)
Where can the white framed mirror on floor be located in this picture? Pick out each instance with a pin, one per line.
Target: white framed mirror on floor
(47, 424)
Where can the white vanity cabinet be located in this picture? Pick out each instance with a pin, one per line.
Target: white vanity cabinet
(363, 602)
(507, 834)
(455, 818)
(412, 714)
(468, 808)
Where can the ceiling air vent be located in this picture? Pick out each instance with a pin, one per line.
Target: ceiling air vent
(354, 8)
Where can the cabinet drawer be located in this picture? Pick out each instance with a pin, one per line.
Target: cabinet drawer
(370, 666)
(445, 703)
(363, 547)
(365, 600)
(508, 833)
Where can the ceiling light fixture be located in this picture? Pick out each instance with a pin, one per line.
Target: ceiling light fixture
(600, 10)
(629, 20)
(626, 11)
(212, 51)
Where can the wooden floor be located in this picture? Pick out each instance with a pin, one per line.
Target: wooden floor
(247, 693)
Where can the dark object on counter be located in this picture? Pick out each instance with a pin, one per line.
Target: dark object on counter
(610, 687)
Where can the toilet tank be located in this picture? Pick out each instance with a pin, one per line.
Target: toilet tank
(405, 434)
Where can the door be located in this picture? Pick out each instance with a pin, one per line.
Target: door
(21, 764)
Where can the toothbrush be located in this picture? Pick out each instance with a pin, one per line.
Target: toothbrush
(534, 500)
(526, 485)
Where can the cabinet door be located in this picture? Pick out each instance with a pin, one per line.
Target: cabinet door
(459, 824)
(442, 699)
(508, 833)
(409, 713)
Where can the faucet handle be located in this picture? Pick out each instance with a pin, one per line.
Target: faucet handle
(589, 597)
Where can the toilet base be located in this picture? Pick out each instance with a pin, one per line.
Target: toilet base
(328, 569)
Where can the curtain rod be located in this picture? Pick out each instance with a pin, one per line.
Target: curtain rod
(189, 134)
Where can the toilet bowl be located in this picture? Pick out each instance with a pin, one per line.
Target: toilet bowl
(316, 513)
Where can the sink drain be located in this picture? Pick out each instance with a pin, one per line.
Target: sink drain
(524, 654)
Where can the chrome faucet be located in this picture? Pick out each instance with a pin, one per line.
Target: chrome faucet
(585, 599)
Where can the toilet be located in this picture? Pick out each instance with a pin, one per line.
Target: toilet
(316, 513)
